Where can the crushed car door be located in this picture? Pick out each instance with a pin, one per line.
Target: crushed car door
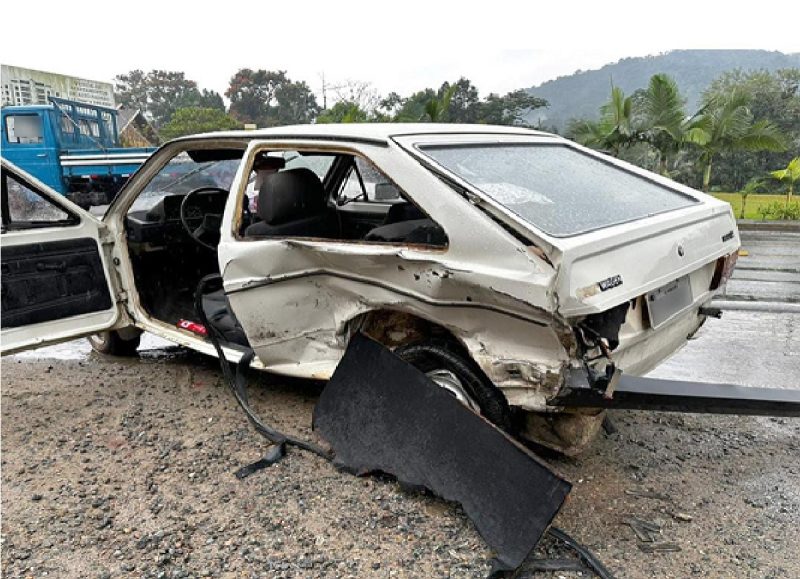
(56, 282)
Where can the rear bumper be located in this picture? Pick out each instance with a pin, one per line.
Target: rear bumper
(651, 347)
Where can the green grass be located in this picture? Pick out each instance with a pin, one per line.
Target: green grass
(754, 201)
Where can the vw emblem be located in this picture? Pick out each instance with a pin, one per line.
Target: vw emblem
(680, 250)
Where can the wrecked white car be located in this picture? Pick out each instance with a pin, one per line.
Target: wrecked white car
(495, 259)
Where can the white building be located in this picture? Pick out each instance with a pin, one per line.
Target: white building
(25, 86)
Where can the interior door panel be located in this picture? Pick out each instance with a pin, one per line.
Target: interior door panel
(52, 280)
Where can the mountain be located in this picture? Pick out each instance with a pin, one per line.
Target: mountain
(579, 95)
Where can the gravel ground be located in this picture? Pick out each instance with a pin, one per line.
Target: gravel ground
(124, 468)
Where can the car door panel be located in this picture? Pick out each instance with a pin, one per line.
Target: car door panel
(56, 279)
(52, 280)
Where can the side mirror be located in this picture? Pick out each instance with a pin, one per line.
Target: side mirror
(386, 192)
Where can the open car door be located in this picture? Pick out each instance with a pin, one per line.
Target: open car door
(56, 282)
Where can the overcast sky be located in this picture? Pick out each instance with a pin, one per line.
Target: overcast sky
(399, 46)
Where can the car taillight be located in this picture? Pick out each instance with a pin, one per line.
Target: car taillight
(724, 270)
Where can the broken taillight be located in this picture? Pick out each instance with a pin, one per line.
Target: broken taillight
(723, 270)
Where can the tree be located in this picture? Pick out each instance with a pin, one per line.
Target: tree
(755, 185)
(789, 175)
(209, 99)
(359, 93)
(726, 124)
(437, 108)
(662, 118)
(389, 107)
(616, 128)
(412, 108)
(296, 104)
(773, 96)
(464, 104)
(159, 93)
(131, 90)
(509, 109)
(252, 94)
(270, 98)
(190, 120)
(343, 112)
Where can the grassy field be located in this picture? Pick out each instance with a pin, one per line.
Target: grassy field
(754, 201)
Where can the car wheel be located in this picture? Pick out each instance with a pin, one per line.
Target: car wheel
(112, 344)
(447, 367)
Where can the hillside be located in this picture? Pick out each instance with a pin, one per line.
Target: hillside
(580, 94)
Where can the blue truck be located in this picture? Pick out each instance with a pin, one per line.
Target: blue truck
(71, 146)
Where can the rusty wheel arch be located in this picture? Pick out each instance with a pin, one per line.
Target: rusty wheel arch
(395, 328)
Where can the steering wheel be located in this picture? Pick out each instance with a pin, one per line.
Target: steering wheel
(210, 224)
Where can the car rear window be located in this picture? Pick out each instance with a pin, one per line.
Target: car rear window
(557, 188)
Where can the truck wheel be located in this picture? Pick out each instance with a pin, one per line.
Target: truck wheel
(446, 366)
(112, 344)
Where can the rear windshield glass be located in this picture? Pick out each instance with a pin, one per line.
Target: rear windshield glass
(556, 188)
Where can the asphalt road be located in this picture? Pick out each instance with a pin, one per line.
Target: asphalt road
(770, 272)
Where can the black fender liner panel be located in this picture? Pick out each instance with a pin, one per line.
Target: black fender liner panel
(380, 414)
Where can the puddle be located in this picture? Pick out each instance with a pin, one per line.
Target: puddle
(150, 347)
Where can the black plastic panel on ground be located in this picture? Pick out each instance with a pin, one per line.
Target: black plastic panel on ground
(381, 414)
(50, 281)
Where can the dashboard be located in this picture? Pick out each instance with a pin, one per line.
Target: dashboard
(161, 224)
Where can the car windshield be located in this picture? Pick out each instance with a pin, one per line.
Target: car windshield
(182, 174)
(557, 188)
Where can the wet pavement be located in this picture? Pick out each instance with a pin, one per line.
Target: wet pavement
(770, 270)
(745, 348)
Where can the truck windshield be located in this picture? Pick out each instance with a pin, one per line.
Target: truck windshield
(556, 188)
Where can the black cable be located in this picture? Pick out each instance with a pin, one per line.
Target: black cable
(585, 554)
(238, 383)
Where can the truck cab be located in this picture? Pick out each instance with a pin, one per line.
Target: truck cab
(29, 141)
(72, 147)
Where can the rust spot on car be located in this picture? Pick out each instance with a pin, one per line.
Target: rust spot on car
(394, 329)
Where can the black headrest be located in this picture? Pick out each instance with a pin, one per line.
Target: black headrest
(290, 195)
(266, 162)
(403, 212)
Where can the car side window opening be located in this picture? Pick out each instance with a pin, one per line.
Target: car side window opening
(344, 197)
(23, 207)
(366, 183)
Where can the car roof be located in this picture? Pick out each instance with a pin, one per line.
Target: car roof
(381, 132)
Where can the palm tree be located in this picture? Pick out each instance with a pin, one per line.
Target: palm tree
(754, 185)
(790, 175)
(726, 124)
(436, 108)
(615, 129)
(663, 118)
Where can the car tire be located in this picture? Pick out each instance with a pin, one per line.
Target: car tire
(112, 344)
(442, 356)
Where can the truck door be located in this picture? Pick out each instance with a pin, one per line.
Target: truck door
(55, 275)
(29, 143)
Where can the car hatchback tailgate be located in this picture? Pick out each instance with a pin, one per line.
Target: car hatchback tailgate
(604, 268)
